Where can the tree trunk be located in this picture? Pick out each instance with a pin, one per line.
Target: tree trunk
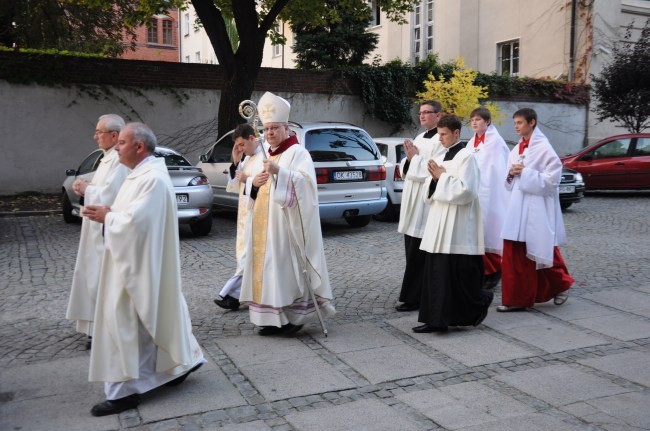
(239, 87)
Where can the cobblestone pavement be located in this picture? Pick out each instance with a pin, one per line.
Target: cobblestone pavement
(608, 252)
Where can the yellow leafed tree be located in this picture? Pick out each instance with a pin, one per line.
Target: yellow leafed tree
(459, 95)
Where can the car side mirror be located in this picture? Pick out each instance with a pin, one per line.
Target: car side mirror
(587, 157)
(203, 158)
(70, 172)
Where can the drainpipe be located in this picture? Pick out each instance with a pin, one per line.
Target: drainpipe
(572, 49)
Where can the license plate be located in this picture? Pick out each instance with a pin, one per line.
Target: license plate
(567, 189)
(348, 175)
(182, 199)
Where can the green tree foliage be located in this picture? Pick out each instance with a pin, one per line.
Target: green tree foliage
(622, 90)
(68, 25)
(342, 41)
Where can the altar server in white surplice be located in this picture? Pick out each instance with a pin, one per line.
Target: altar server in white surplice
(413, 210)
(102, 190)
(142, 335)
(491, 154)
(284, 254)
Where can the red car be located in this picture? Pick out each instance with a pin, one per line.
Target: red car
(618, 162)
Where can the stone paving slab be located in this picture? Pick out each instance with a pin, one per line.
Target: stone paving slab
(560, 385)
(644, 288)
(256, 349)
(347, 338)
(505, 321)
(630, 300)
(532, 422)
(463, 405)
(632, 366)
(620, 326)
(617, 412)
(364, 415)
(575, 308)
(204, 390)
(555, 337)
(295, 378)
(470, 346)
(383, 364)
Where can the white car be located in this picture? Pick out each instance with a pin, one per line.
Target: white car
(392, 152)
(349, 170)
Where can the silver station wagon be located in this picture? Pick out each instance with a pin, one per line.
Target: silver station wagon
(193, 193)
(349, 170)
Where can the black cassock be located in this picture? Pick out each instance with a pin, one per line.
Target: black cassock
(452, 292)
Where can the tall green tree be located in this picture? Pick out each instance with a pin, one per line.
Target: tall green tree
(68, 25)
(342, 41)
(622, 90)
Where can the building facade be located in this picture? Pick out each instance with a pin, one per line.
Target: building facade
(157, 41)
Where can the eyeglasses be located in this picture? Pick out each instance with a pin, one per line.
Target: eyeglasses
(97, 132)
(271, 129)
(427, 112)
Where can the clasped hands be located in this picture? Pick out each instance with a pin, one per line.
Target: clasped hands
(96, 212)
(410, 149)
(435, 170)
(515, 169)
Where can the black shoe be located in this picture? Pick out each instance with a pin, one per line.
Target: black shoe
(228, 302)
(89, 342)
(112, 407)
(428, 328)
(290, 328)
(269, 330)
(180, 379)
(407, 307)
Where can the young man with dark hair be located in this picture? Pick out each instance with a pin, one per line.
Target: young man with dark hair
(413, 211)
(533, 269)
(453, 294)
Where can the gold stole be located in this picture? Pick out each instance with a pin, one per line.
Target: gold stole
(260, 230)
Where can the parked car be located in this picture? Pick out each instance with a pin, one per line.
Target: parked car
(193, 192)
(617, 162)
(392, 152)
(350, 174)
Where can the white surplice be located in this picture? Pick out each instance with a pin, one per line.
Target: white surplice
(251, 166)
(413, 212)
(454, 223)
(102, 190)
(292, 213)
(140, 286)
(492, 158)
(534, 215)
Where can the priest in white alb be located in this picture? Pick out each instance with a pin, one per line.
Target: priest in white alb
(142, 334)
(284, 256)
(102, 190)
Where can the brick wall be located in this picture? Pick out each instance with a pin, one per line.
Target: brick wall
(156, 50)
(48, 69)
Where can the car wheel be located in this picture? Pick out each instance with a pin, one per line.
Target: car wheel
(390, 213)
(202, 227)
(66, 205)
(565, 205)
(358, 221)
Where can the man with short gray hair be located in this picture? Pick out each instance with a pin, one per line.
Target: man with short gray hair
(142, 337)
(101, 190)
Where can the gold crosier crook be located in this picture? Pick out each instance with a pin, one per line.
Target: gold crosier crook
(248, 111)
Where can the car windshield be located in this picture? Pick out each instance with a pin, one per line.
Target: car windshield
(328, 145)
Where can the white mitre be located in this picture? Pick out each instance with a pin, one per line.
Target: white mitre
(273, 109)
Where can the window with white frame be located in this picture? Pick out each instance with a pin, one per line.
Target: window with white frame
(277, 49)
(187, 59)
(429, 18)
(508, 58)
(417, 33)
(186, 24)
(375, 14)
(197, 57)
